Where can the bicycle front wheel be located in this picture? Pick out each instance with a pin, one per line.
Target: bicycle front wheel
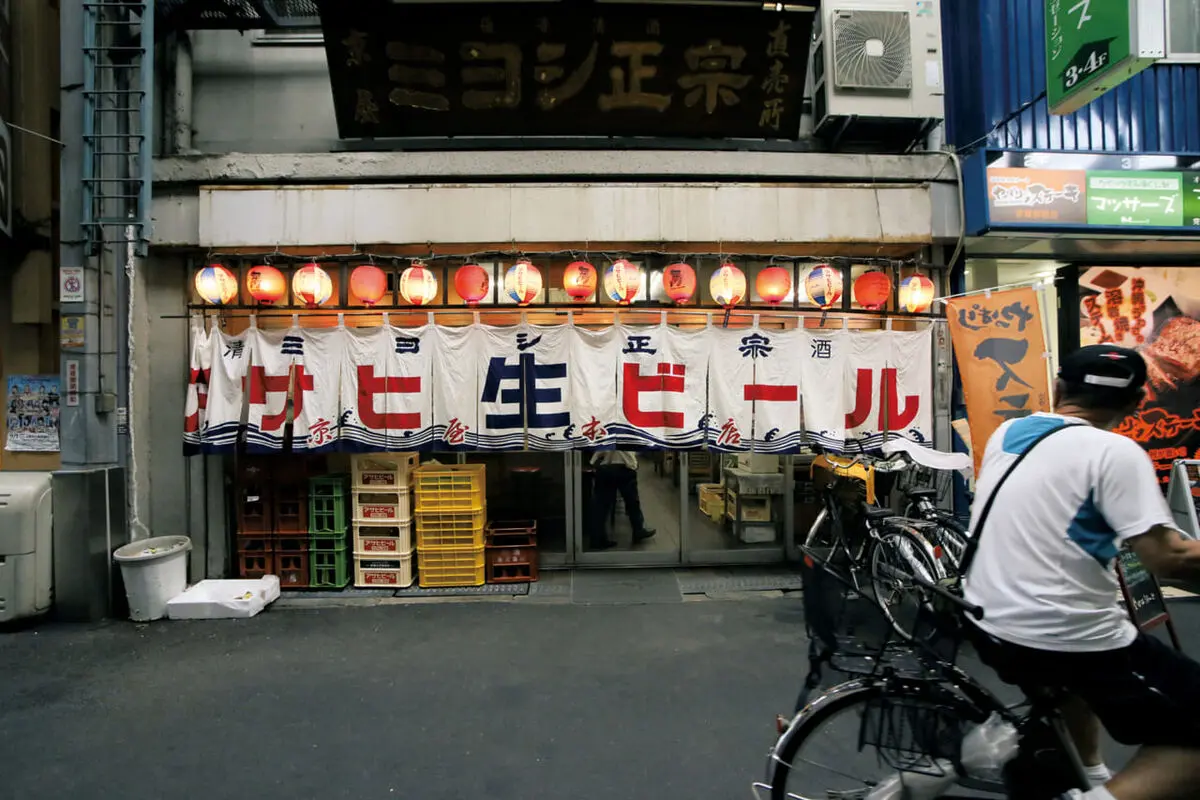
(819, 756)
(907, 551)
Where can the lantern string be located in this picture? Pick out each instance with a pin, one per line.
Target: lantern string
(518, 254)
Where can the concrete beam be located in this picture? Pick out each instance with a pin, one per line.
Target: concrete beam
(549, 165)
(229, 217)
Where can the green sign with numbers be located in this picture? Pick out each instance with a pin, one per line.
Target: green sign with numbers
(1092, 46)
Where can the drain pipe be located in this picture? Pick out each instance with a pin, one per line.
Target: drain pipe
(181, 105)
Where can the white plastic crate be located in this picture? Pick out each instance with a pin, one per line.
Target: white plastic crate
(385, 541)
(372, 571)
(376, 507)
(383, 472)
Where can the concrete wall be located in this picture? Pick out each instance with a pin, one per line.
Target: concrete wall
(157, 469)
(254, 98)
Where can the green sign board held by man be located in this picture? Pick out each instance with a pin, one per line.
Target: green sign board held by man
(1094, 45)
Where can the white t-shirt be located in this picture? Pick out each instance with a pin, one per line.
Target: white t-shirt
(1044, 572)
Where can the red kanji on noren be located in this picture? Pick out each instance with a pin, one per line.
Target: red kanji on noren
(370, 386)
(262, 384)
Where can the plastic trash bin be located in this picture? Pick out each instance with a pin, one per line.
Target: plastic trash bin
(155, 570)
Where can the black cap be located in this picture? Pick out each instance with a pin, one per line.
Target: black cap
(1104, 369)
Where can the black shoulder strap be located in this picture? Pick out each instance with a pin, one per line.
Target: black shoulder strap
(973, 544)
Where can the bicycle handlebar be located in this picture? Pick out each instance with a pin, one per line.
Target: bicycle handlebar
(972, 609)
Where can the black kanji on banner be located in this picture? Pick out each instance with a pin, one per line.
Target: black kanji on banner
(403, 70)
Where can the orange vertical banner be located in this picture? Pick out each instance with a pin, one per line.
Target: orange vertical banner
(999, 346)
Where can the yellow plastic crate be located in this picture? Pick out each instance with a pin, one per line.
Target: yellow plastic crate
(439, 529)
(450, 487)
(459, 566)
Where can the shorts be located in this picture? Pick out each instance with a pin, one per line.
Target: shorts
(1144, 694)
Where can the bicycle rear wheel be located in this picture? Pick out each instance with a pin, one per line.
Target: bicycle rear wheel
(905, 550)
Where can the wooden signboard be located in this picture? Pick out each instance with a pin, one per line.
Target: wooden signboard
(1143, 596)
(556, 69)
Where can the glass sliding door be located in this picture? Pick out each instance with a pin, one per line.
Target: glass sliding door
(738, 510)
(628, 508)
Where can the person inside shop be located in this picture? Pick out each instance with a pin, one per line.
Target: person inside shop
(616, 471)
(1043, 573)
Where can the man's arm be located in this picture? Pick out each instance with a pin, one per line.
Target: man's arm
(1167, 554)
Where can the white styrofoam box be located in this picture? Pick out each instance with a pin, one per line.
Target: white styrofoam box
(754, 462)
(370, 569)
(383, 472)
(757, 534)
(377, 507)
(26, 544)
(225, 599)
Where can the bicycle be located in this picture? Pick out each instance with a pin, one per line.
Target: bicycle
(941, 527)
(870, 537)
(907, 701)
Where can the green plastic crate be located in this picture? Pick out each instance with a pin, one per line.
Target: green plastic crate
(328, 542)
(328, 499)
(328, 569)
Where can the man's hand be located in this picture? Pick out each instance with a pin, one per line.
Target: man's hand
(1167, 554)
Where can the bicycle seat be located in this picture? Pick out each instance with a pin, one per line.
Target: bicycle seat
(923, 494)
(876, 514)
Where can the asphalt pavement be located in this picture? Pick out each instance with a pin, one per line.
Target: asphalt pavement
(496, 699)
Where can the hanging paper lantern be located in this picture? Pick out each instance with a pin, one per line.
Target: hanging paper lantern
(622, 281)
(472, 282)
(266, 285)
(522, 282)
(728, 285)
(872, 290)
(916, 294)
(216, 284)
(579, 280)
(368, 283)
(418, 287)
(679, 282)
(311, 285)
(773, 284)
(823, 285)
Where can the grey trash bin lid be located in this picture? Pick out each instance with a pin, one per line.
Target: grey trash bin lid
(151, 549)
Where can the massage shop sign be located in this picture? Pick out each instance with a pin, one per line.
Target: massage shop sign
(555, 388)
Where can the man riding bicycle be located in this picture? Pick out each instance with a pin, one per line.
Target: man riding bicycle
(1044, 576)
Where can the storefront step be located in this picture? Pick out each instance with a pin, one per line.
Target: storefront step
(584, 587)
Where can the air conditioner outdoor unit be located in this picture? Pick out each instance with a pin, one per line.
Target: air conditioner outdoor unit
(877, 69)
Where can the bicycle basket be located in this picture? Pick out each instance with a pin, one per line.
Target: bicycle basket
(846, 625)
(913, 733)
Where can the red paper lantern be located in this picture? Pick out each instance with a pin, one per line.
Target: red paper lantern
(216, 284)
(916, 294)
(579, 280)
(679, 282)
(872, 290)
(368, 283)
(266, 285)
(418, 286)
(311, 285)
(728, 285)
(773, 284)
(622, 281)
(472, 282)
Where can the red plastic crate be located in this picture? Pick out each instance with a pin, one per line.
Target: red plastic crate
(292, 568)
(512, 564)
(255, 564)
(518, 533)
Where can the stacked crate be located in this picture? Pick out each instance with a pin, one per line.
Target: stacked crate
(328, 532)
(383, 546)
(511, 552)
(272, 520)
(451, 511)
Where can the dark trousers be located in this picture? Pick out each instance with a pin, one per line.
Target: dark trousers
(610, 479)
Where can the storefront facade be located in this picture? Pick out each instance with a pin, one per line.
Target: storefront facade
(1099, 209)
(261, 187)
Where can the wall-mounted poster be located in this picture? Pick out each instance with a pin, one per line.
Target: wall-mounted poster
(1157, 310)
(32, 414)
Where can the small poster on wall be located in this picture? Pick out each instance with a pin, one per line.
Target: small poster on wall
(1157, 310)
(33, 406)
